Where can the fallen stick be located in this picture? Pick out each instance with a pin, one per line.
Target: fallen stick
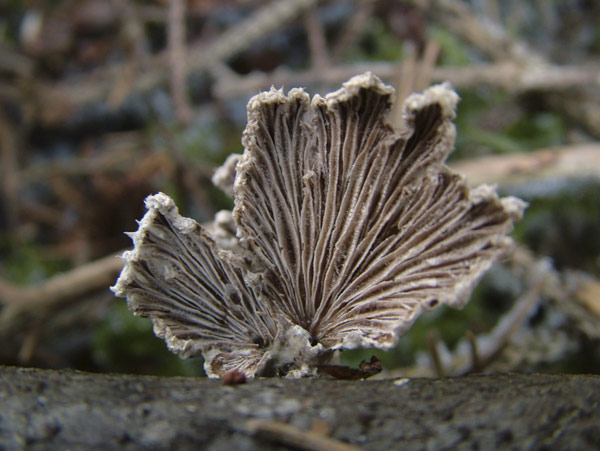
(510, 76)
(84, 279)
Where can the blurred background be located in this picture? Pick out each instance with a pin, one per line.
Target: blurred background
(103, 102)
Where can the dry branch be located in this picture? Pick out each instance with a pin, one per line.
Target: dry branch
(271, 17)
(413, 75)
(573, 294)
(57, 101)
(510, 76)
(316, 40)
(9, 178)
(352, 30)
(177, 59)
(36, 309)
(485, 351)
(518, 68)
(483, 32)
(63, 287)
(576, 161)
(74, 410)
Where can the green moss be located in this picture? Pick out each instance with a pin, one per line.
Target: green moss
(488, 122)
(377, 43)
(565, 226)
(536, 131)
(27, 264)
(210, 143)
(453, 51)
(125, 343)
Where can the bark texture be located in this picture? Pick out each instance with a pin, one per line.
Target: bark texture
(44, 409)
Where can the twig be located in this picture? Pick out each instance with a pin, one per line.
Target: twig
(353, 30)
(510, 76)
(45, 302)
(578, 295)
(121, 156)
(476, 365)
(9, 174)
(404, 81)
(489, 347)
(522, 67)
(433, 342)
(579, 106)
(478, 352)
(428, 61)
(414, 75)
(30, 342)
(574, 161)
(177, 57)
(316, 40)
(577, 161)
(568, 295)
(484, 33)
(61, 99)
(241, 37)
(84, 279)
(291, 436)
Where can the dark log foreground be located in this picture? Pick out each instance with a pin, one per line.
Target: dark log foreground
(43, 409)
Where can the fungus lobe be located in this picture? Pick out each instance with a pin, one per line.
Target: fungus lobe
(344, 231)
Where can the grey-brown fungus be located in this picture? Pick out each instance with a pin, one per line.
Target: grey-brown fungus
(344, 231)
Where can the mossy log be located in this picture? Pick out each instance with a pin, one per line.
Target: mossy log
(43, 409)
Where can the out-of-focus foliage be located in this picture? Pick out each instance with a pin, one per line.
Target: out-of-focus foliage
(125, 343)
(489, 122)
(28, 264)
(452, 51)
(378, 43)
(565, 227)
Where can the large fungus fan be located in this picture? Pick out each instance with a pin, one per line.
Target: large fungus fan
(343, 232)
